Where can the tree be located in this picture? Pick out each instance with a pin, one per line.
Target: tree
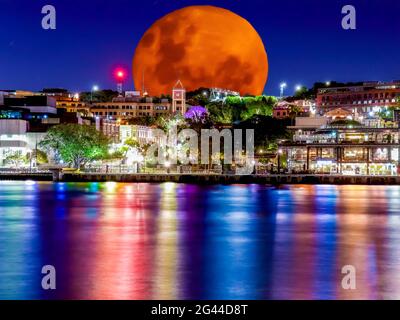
(345, 123)
(76, 144)
(37, 155)
(220, 112)
(302, 93)
(130, 145)
(198, 97)
(294, 111)
(143, 121)
(259, 105)
(267, 130)
(98, 96)
(15, 159)
(306, 94)
(168, 122)
(234, 109)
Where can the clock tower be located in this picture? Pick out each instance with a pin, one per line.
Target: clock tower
(179, 98)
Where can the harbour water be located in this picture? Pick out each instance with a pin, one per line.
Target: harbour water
(181, 241)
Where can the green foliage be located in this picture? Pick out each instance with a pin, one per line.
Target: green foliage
(132, 143)
(220, 112)
(305, 93)
(76, 144)
(15, 159)
(198, 97)
(143, 121)
(387, 114)
(115, 155)
(260, 105)
(267, 130)
(234, 109)
(167, 122)
(302, 93)
(38, 155)
(345, 123)
(55, 90)
(98, 96)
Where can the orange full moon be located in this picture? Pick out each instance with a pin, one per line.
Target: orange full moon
(203, 46)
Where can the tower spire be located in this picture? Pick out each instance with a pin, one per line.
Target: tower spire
(179, 98)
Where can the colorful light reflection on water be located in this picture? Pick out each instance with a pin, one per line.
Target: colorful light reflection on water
(176, 241)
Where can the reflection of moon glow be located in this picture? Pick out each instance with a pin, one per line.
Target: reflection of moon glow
(204, 46)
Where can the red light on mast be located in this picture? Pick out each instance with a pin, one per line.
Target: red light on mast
(120, 74)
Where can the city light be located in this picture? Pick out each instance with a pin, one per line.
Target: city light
(283, 85)
(328, 83)
(95, 88)
(298, 87)
(120, 74)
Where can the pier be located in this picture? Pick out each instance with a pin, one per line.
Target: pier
(233, 179)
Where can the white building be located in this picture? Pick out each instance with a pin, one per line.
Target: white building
(13, 138)
(142, 134)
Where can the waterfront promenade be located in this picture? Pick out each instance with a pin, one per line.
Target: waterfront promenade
(273, 179)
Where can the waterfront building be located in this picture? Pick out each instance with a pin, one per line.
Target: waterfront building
(284, 109)
(24, 122)
(12, 138)
(109, 127)
(38, 106)
(362, 99)
(73, 105)
(281, 110)
(142, 134)
(16, 93)
(17, 140)
(343, 147)
(131, 107)
(306, 105)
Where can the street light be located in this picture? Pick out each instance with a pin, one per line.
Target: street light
(167, 165)
(328, 83)
(298, 87)
(283, 86)
(280, 152)
(94, 89)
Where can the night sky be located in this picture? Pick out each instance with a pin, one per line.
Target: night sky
(303, 38)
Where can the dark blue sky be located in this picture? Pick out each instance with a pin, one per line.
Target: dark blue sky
(303, 38)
